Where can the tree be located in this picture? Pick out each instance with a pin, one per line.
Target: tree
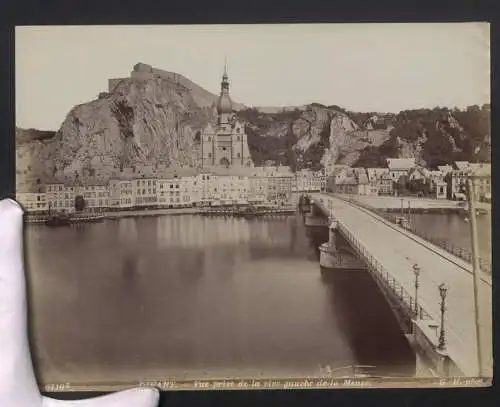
(401, 183)
(418, 186)
(80, 203)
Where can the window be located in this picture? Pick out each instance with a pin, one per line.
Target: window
(209, 155)
(238, 155)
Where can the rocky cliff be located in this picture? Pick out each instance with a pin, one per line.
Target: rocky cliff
(158, 121)
(141, 123)
(311, 136)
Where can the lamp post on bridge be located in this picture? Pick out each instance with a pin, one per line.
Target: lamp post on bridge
(416, 271)
(442, 292)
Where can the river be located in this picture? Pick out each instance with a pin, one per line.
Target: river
(456, 230)
(191, 297)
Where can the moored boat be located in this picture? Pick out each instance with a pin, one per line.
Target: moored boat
(86, 218)
(58, 220)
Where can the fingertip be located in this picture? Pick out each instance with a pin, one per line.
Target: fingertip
(11, 205)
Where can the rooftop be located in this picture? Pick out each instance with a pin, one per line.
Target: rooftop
(348, 181)
(377, 173)
(445, 168)
(462, 165)
(400, 163)
(480, 168)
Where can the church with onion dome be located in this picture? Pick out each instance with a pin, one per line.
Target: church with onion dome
(225, 144)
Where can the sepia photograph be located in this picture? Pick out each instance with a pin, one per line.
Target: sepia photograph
(266, 206)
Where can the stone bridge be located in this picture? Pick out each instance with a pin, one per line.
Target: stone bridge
(409, 270)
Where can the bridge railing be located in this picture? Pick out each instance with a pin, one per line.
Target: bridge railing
(375, 267)
(442, 243)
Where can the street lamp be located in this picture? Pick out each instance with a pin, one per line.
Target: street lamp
(442, 292)
(416, 271)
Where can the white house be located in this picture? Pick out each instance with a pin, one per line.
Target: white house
(33, 201)
(144, 192)
(399, 167)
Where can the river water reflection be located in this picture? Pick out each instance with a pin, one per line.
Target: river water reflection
(192, 297)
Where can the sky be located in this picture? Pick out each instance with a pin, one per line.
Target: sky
(361, 67)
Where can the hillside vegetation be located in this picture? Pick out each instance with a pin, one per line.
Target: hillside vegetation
(435, 137)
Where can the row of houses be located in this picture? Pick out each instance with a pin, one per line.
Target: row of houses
(446, 182)
(361, 181)
(179, 188)
(456, 178)
(309, 181)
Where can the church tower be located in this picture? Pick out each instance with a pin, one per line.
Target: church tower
(225, 145)
(224, 104)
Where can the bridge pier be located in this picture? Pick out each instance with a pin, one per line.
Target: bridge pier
(316, 221)
(315, 217)
(333, 257)
(304, 203)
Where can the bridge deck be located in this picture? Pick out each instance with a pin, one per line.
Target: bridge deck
(397, 250)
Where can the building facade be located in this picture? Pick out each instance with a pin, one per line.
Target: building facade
(170, 192)
(33, 202)
(279, 190)
(144, 192)
(96, 197)
(258, 189)
(309, 181)
(399, 167)
(120, 194)
(61, 197)
(382, 178)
